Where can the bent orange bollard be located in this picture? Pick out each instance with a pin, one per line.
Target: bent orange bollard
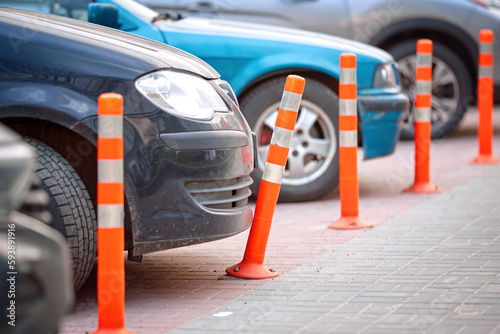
(348, 148)
(485, 100)
(422, 114)
(110, 212)
(252, 265)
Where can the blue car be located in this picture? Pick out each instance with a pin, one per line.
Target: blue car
(255, 60)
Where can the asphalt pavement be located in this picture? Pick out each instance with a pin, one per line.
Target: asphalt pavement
(431, 263)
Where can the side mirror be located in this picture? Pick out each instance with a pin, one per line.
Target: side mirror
(103, 14)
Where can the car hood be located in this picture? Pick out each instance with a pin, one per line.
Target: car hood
(254, 32)
(135, 55)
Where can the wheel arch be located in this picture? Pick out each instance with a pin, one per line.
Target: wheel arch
(327, 80)
(445, 33)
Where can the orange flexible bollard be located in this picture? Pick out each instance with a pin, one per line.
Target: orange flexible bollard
(423, 105)
(110, 232)
(485, 100)
(252, 265)
(348, 148)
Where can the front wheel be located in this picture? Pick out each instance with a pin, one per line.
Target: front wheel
(312, 168)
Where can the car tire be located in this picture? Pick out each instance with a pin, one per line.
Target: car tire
(313, 167)
(451, 96)
(71, 208)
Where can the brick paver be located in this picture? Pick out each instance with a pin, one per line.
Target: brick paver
(433, 269)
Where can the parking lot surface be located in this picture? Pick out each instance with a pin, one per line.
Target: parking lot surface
(429, 265)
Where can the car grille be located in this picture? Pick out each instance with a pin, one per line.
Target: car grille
(222, 194)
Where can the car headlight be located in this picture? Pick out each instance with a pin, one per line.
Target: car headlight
(17, 162)
(384, 76)
(181, 94)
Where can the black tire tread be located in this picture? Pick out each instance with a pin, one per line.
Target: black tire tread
(71, 207)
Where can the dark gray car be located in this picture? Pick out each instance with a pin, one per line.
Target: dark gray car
(453, 25)
(188, 150)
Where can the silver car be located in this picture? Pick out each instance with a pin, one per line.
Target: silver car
(453, 26)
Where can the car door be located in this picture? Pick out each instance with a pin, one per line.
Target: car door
(326, 16)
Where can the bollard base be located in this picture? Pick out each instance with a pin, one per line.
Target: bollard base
(112, 331)
(251, 270)
(350, 223)
(422, 188)
(485, 160)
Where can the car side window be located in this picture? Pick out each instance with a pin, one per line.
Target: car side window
(36, 5)
(76, 9)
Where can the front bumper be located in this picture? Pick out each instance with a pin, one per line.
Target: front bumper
(190, 186)
(381, 121)
(186, 182)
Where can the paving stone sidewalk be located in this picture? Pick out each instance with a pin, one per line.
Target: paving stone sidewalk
(174, 287)
(433, 269)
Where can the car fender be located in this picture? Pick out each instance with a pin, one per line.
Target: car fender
(256, 70)
(71, 106)
(51, 103)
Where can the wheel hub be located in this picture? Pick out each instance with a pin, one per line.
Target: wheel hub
(312, 148)
(445, 89)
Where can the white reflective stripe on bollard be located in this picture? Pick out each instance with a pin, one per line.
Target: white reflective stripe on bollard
(110, 215)
(422, 114)
(348, 76)
(485, 47)
(348, 138)
(110, 171)
(486, 71)
(423, 87)
(282, 137)
(424, 59)
(110, 126)
(273, 173)
(290, 101)
(348, 107)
